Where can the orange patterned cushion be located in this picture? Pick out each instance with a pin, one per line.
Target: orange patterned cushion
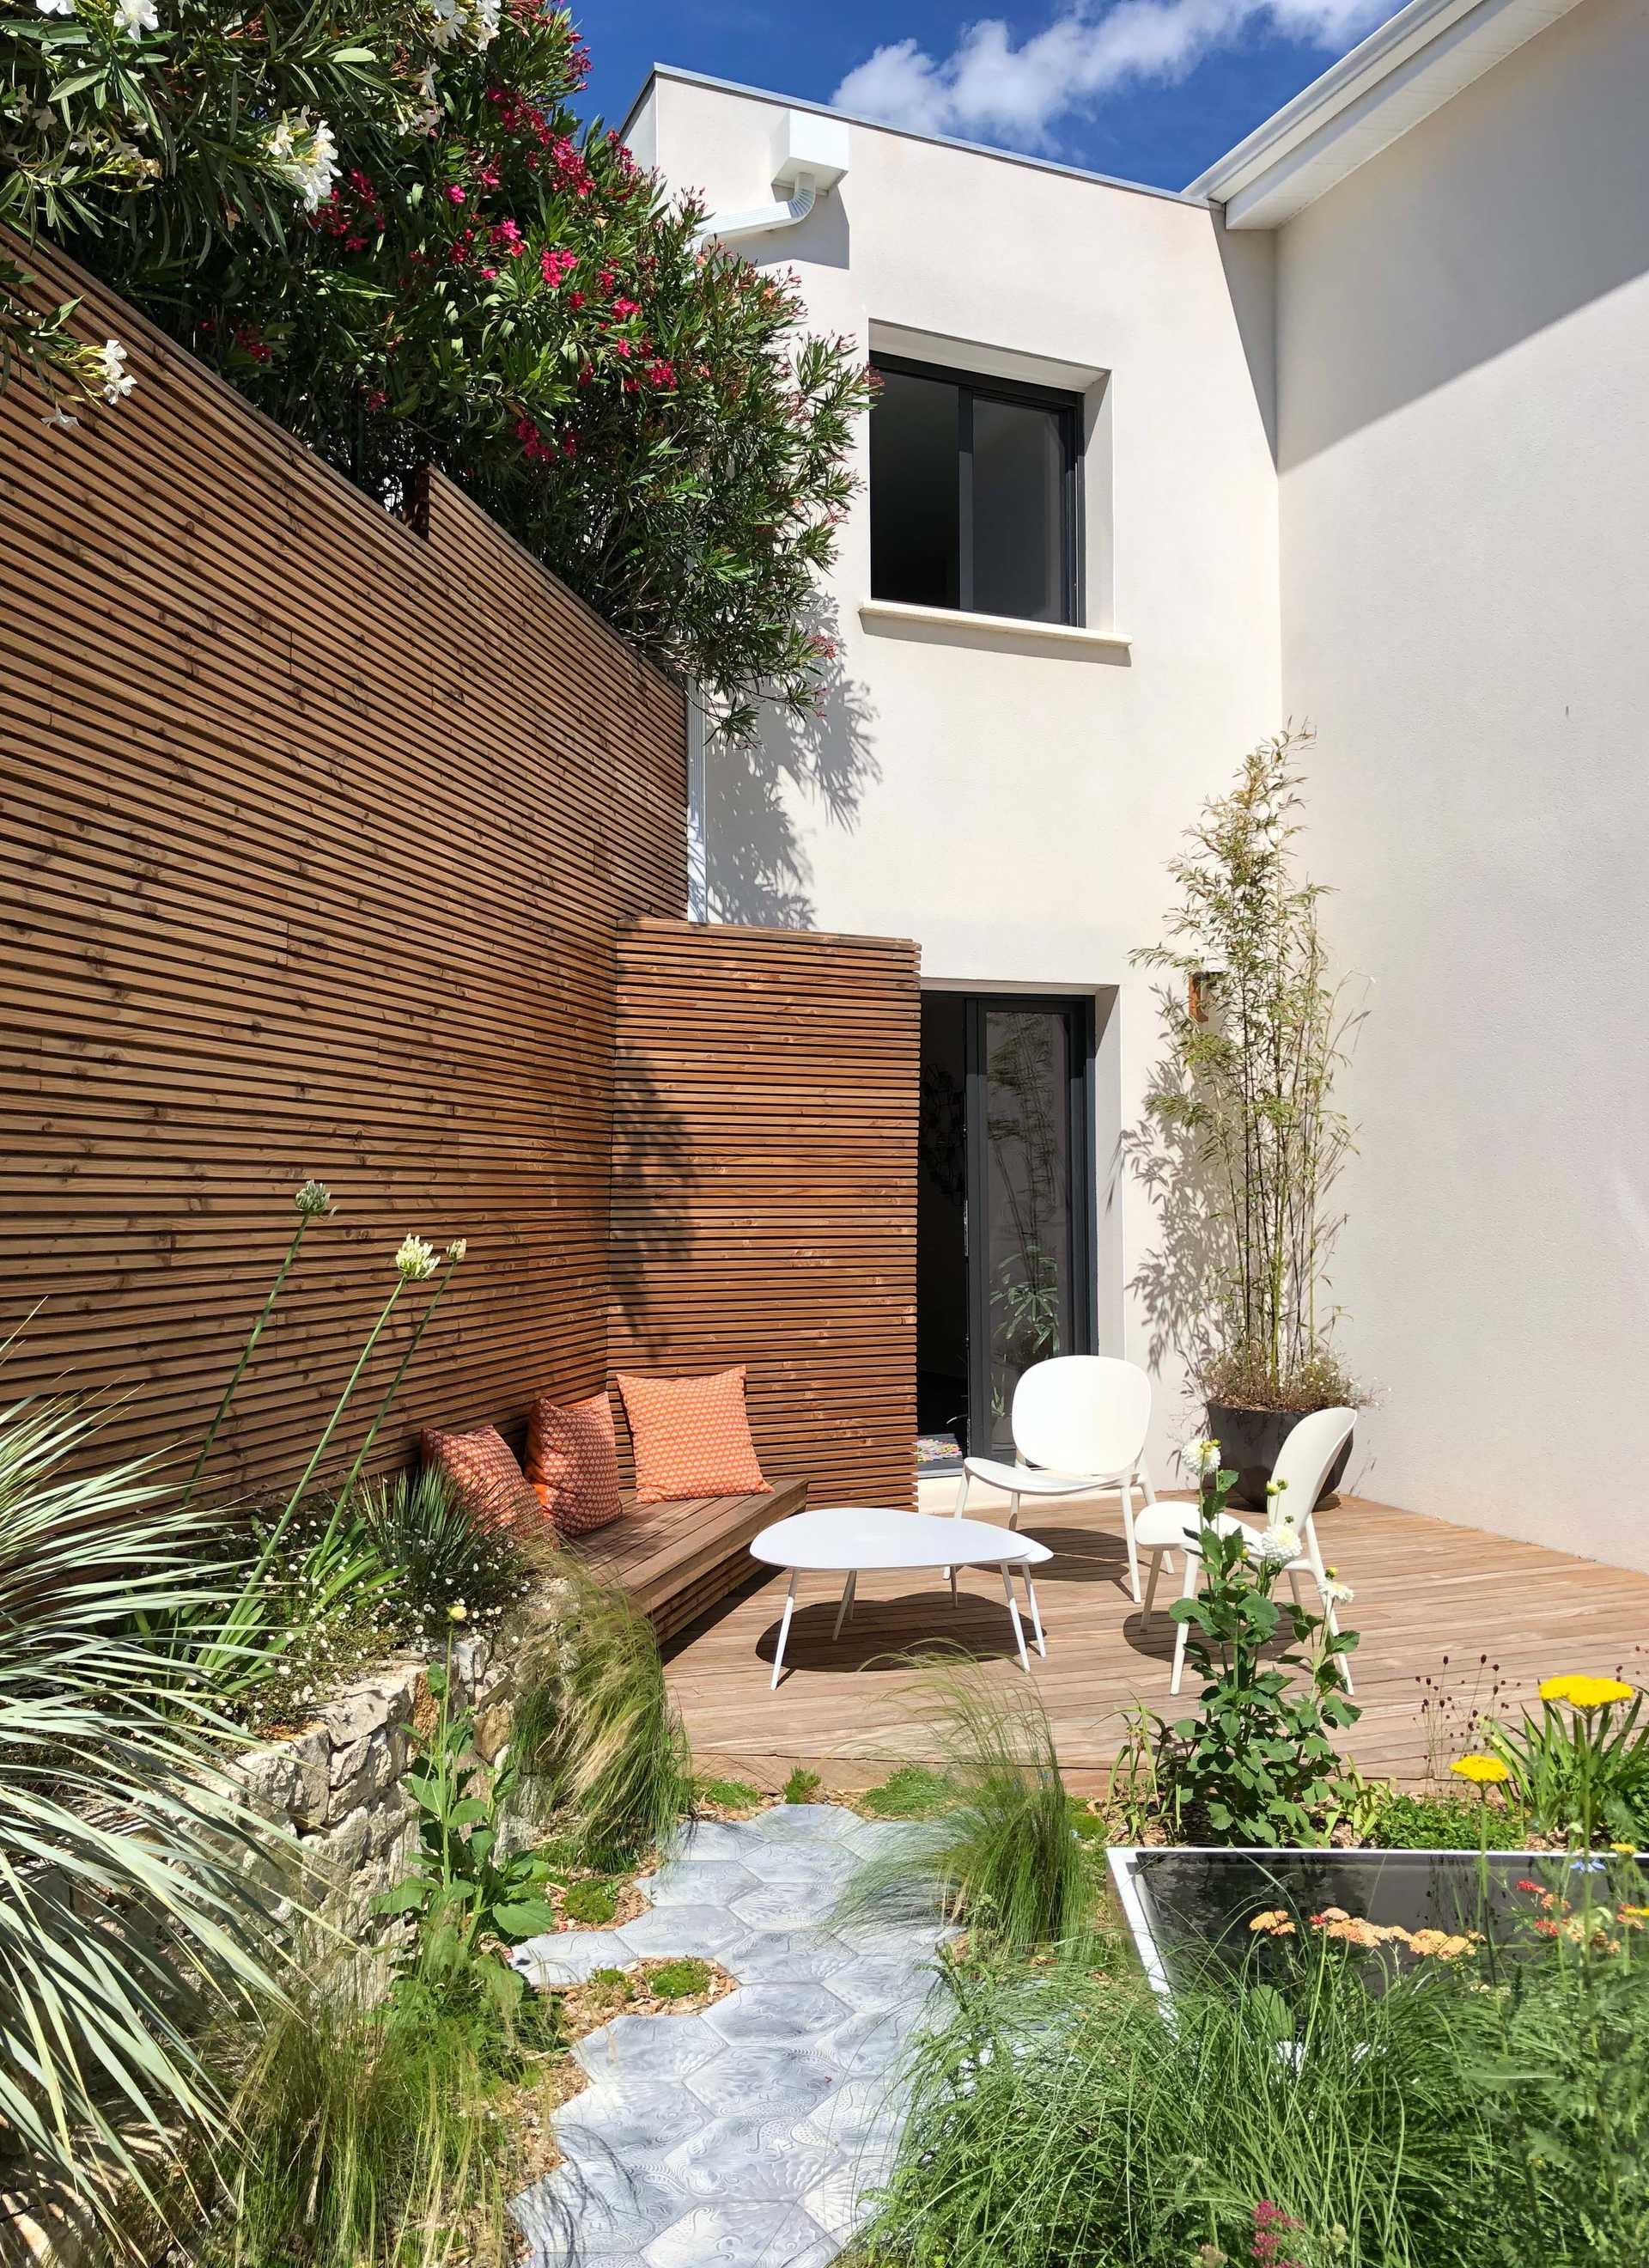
(489, 1484)
(691, 1437)
(572, 1463)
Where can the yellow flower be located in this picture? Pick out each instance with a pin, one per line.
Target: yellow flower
(1624, 1850)
(1485, 1771)
(1585, 1692)
(458, 1612)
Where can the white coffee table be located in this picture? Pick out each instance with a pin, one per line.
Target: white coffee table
(854, 1539)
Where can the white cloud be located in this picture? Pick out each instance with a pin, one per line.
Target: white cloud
(988, 87)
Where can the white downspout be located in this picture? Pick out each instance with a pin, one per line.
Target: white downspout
(757, 220)
(810, 151)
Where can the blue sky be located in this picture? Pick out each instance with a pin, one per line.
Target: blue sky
(1150, 90)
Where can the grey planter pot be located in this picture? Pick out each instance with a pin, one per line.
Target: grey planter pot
(1249, 1440)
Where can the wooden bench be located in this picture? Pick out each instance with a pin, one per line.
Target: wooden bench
(676, 1560)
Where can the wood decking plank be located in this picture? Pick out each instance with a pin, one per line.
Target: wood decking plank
(1495, 1607)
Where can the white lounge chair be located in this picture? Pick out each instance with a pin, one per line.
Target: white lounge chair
(1079, 1424)
(1303, 1463)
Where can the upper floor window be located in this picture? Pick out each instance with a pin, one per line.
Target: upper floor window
(973, 494)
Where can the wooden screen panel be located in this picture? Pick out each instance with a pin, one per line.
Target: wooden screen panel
(764, 1187)
(317, 832)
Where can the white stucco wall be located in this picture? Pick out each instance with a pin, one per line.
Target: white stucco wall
(1464, 338)
(1008, 803)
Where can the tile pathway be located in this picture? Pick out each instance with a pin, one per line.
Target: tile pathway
(748, 2134)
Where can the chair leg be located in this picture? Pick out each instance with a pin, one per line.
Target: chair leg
(1014, 1509)
(956, 1594)
(959, 1505)
(1151, 1588)
(1014, 1616)
(1144, 1478)
(1188, 1590)
(1127, 1495)
(846, 1607)
(1036, 1613)
(1294, 1585)
(783, 1633)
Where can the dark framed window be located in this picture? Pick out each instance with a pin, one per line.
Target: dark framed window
(975, 494)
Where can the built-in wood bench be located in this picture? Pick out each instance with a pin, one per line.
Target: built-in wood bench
(676, 1560)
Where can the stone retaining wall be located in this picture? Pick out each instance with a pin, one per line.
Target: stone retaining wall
(339, 1786)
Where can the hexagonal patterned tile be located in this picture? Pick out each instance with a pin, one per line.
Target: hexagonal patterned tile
(752, 2234)
(750, 2156)
(790, 1820)
(695, 1881)
(772, 2015)
(786, 1956)
(648, 2047)
(629, 2118)
(788, 2083)
(666, 1931)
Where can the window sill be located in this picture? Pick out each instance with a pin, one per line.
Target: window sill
(982, 630)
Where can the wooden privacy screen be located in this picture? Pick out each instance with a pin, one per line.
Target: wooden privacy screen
(764, 1187)
(315, 834)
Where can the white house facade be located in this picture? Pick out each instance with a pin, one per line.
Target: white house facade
(1350, 431)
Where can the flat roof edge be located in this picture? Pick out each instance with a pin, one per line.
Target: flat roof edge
(880, 126)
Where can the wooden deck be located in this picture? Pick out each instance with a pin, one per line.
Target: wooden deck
(1483, 1617)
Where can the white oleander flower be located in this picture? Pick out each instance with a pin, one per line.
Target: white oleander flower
(484, 16)
(415, 1260)
(55, 7)
(304, 152)
(137, 17)
(449, 21)
(60, 417)
(112, 363)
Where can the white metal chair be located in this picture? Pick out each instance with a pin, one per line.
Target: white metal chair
(1303, 1466)
(1079, 1424)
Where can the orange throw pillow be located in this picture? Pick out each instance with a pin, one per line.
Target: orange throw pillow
(691, 1437)
(572, 1463)
(486, 1479)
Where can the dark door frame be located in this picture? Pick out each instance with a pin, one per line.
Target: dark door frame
(1078, 1009)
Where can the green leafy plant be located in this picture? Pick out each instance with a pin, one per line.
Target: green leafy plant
(385, 225)
(1257, 1763)
(1001, 1855)
(129, 1868)
(1581, 1767)
(1323, 2107)
(443, 1558)
(466, 1886)
(1399, 1821)
(802, 1785)
(680, 1980)
(595, 1734)
(1244, 1103)
(609, 1988)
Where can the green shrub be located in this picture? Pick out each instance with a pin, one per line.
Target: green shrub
(441, 1559)
(680, 1980)
(592, 1903)
(386, 226)
(1401, 1821)
(1002, 1856)
(913, 1791)
(595, 1733)
(609, 1988)
(1298, 2116)
(802, 1786)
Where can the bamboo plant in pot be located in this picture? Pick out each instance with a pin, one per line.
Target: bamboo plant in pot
(1244, 1107)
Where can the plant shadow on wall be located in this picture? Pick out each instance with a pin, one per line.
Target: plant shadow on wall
(1242, 1145)
(817, 753)
(653, 1178)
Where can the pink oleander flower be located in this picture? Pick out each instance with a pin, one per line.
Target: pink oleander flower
(455, 195)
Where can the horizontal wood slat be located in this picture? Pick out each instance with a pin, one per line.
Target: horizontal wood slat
(764, 1187)
(675, 1559)
(318, 831)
